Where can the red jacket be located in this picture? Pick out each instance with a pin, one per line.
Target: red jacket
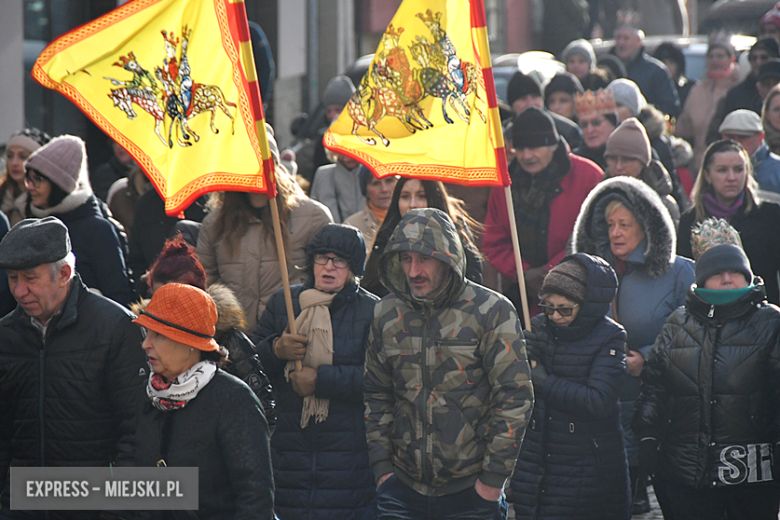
(583, 176)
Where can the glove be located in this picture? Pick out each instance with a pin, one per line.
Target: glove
(290, 346)
(532, 345)
(538, 378)
(648, 455)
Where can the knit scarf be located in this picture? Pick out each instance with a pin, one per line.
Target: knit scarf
(720, 74)
(314, 323)
(771, 137)
(167, 396)
(379, 213)
(533, 194)
(718, 210)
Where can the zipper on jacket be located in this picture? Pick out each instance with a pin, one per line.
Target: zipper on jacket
(426, 478)
(712, 311)
(41, 370)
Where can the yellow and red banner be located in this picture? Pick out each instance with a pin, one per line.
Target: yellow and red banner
(173, 82)
(427, 107)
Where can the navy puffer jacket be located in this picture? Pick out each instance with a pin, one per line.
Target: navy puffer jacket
(322, 472)
(573, 464)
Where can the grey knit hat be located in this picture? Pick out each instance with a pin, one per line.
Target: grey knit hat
(725, 257)
(33, 242)
(581, 47)
(625, 92)
(569, 279)
(338, 91)
(63, 161)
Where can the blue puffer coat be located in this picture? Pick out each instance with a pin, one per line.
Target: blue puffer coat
(322, 472)
(655, 282)
(572, 464)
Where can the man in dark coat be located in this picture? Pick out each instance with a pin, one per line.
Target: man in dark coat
(648, 73)
(549, 184)
(71, 364)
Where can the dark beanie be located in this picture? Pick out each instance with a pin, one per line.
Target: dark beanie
(768, 44)
(725, 257)
(522, 85)
(532, 128)
(342, 240)
(563, 82)
(569, 279)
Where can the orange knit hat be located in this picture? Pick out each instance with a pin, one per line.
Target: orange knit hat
(182, 313)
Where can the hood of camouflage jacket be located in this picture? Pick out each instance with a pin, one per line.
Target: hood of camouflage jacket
(430, 232)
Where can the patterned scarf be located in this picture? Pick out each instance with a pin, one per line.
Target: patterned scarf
(532, 196)
(167, 396)
(314, 323)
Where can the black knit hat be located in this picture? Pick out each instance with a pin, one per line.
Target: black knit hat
(533, 128)
(569, 279)
(522, 85)
(33, 242)
(344, 241)
(563, 82)
(768, 44)
(725, 257)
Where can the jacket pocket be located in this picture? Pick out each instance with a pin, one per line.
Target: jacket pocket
(458, 364)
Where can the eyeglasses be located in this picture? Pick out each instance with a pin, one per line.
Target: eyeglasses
(565, 312)
(338, 262)
(33, 177)
(595, 123)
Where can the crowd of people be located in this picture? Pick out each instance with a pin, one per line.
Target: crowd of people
(399, 380)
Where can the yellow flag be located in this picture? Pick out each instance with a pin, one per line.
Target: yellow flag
(173, 82)
(426, 108)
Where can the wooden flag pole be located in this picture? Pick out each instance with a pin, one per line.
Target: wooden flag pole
(285, 273)
(510, 208)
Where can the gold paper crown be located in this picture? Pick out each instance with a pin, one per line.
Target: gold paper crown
(593, 104)
(712, 232)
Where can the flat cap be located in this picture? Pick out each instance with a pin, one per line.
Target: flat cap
(33, 242)
(741, 122)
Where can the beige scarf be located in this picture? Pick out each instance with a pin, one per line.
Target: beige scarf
(314, 323)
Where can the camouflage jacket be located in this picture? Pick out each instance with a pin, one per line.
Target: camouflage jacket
(447, 382)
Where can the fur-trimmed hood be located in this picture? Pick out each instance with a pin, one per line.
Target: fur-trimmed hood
(591, 234)
(230, 314)
(653, 120)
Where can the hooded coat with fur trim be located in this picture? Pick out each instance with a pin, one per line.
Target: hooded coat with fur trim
(573, 464)
(321, 472)
(655, 280)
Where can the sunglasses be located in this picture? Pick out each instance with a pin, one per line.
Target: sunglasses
(33, 177)
(565, 312)
(595, 123)
(338, 262)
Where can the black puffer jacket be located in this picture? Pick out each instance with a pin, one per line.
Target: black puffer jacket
(573, 464)
(710, 391)
(321, 472)
(223, 433)
(69, 400)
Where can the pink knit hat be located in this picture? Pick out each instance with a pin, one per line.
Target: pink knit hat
(63, 160)
(630, 140)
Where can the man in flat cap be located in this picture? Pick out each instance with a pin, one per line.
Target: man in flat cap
(745, 127)
(70, 364)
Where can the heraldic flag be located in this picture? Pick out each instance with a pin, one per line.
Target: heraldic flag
(173, 82)
(427, 108)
